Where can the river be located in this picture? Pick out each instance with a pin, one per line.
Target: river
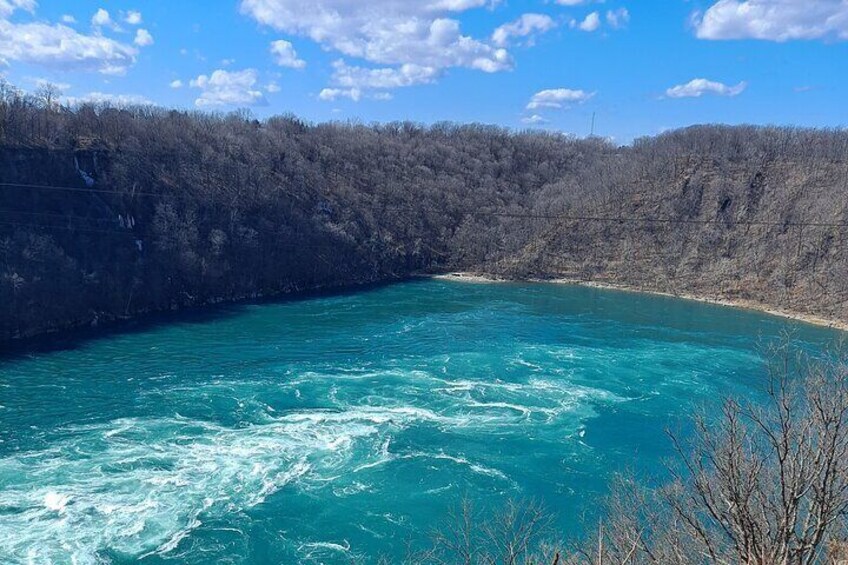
(337, 428)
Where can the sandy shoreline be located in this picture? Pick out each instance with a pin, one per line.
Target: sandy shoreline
(744, 304)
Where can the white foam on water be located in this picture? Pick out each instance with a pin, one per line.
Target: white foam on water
(454, 385)
(312, 377)
(117, 430)
(439, 490)
(459, 460)
(146, 487)
(340, 547)
(523, 410)
(318, 550)
(353, 488)
(175, 539)
(142, 486)
(528, 364)
(55, 501)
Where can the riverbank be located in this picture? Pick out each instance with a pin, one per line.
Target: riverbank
(71, 335)
(732, 303)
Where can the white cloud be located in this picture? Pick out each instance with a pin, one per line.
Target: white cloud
(143, 38)
(272, 87)
(389, 33)
(458, 5)
(526, 25)
(68, 19)
(176, 83)
(571, 2)
(385, 31)
(355, 94)
(285, 55)
(110, 99)
(773, 20)
(535, 119)
(333, 94)
(101, 18)
(558, 98)
(590, 23)
(619, 18)
(700, 86)
(57, 45)
(133, 17)
(7, 7)
(382, 78)
(230, 88)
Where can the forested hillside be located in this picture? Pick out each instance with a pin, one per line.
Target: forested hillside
(108, 213)
(740, 213)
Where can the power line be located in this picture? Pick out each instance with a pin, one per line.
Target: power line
(69, 228)
(60, 216)
(563, 217)
(81, 189)
(273, 245)
(514, 215)
(624, 219)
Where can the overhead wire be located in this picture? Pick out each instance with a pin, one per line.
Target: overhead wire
(496, 213)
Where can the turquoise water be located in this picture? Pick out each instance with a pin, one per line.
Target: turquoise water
(342, 427)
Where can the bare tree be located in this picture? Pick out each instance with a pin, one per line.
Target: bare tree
(48, 95)
(517, 534)
(763, 484)
(712, 211)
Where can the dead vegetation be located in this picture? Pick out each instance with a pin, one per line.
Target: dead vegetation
(111, 212)
(762, 483)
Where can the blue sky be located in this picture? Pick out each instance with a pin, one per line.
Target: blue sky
(641, 66)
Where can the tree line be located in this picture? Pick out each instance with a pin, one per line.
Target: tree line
(110, 212)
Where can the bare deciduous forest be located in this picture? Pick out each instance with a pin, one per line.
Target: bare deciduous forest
(108, 213)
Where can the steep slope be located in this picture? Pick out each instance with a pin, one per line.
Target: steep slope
(109, 213)
(747, 214)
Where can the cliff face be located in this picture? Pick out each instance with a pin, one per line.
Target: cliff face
(112, 213)
(82, 244)
(108, 213)
(767, 227)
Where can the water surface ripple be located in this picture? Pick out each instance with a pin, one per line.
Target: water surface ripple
(342, 427)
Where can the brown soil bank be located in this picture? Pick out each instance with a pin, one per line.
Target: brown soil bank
(730, 303)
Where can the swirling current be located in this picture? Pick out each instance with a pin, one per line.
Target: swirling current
(342, 428)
